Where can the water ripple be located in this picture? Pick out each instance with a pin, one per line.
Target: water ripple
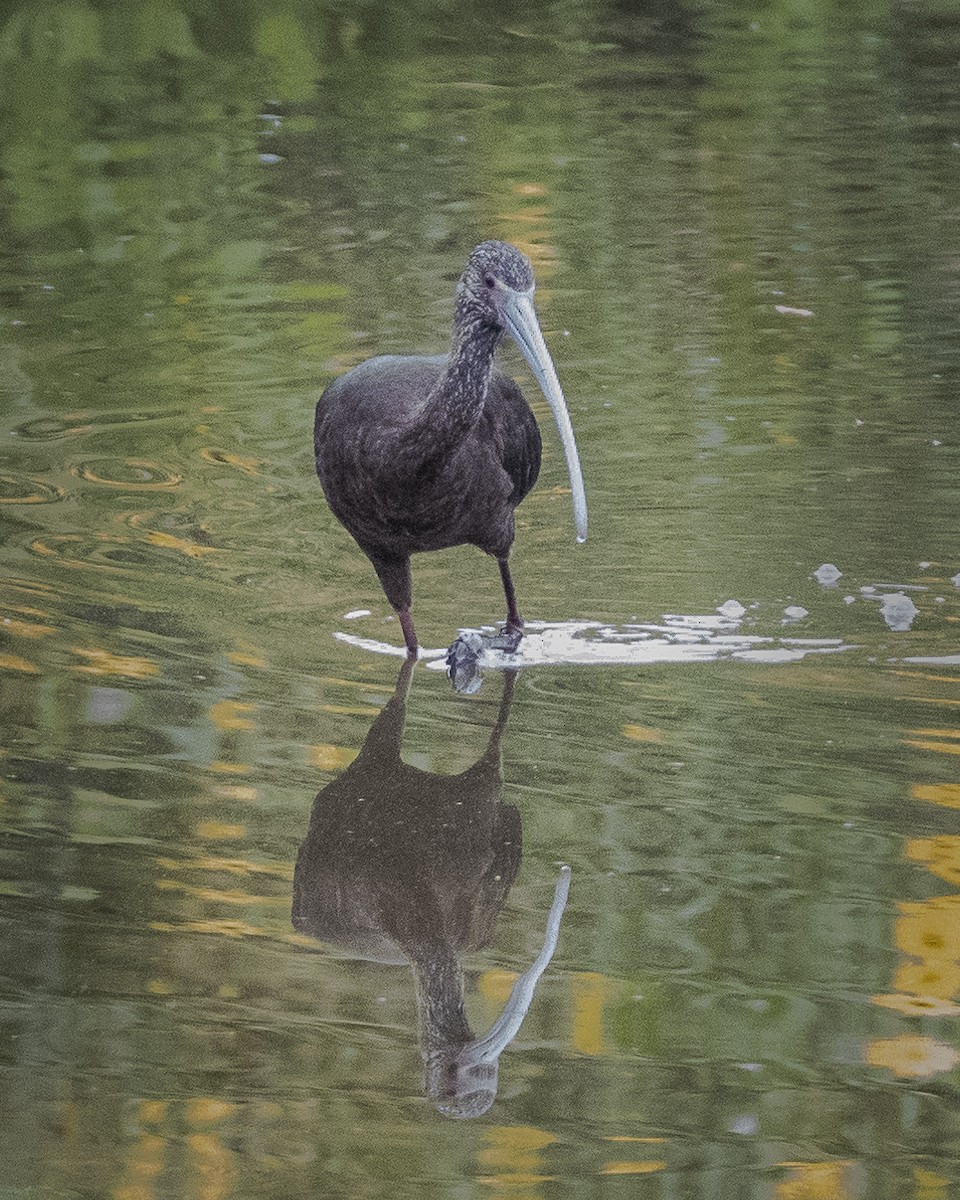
(50, 429)
(91, 550)
(132, 474)
(21, 489)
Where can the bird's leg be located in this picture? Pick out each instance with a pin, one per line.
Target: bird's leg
(394, 573)
(463, 657)
(514, 620)
(513, 630)
(409, 633)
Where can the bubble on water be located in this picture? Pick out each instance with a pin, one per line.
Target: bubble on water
(956, 580)
(732, 609)
(899, 611)
(107, 705)
(827, 575)
(746, 1125)
(849, 599)
(793, 613)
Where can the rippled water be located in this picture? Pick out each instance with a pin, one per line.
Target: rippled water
(245, 944)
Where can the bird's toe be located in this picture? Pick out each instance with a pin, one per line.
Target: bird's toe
(508, 639)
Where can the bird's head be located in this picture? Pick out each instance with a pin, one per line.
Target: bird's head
(496, 289)
(496, 272)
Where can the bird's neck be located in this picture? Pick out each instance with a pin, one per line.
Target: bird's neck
(442, 1020)
(460, 393)
(455, 402)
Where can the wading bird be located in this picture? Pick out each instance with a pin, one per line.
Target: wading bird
(420, 453)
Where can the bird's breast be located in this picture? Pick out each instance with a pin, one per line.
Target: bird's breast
(375, 440)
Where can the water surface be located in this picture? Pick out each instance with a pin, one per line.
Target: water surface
(741, 219)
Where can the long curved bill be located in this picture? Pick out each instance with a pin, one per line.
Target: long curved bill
(522, 325)
(505, 1028)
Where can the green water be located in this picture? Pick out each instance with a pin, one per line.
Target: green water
(743, 221)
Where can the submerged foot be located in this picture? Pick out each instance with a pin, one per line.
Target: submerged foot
(463, 663)
(463, 657)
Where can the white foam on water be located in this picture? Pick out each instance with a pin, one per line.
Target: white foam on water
(676, 638)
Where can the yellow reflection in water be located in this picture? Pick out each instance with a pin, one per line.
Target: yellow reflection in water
(930, 929)
(591, 991)
(235, 791)
(933, 739)
(930, 1185)
(912, 1056)
(133, 474)
(247, 655)
(947, 794)
(230, 768)
(211, 1163)
(514, 1156)
(231, 866)
(229, 714)
(219, 830)
(205, 1111)
(209, 1171)
(495, 985)
(642, 733)
(330, 758)
(144, 1164)
(145, 1159)
(918, 1005)
(25, 629)
(640, 1167)
(936, 978)
(169, 542)
(102, 662)
(350, 710)
(249, 466)
(211, 895)
(11, 662)
(929, 932)
(940, 855)
(814, 1181)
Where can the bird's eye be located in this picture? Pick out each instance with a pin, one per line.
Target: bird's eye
(489, 281)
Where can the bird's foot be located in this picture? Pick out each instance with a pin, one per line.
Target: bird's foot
(508, 639)
(463, 657)
(463, 663)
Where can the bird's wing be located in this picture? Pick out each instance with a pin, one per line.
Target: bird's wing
(519, 435)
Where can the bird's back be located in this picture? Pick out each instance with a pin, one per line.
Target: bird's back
(389, 391)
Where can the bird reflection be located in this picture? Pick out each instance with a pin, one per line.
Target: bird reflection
(404, 866)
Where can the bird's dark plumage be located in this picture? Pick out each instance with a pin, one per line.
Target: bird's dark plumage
(422, 453)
